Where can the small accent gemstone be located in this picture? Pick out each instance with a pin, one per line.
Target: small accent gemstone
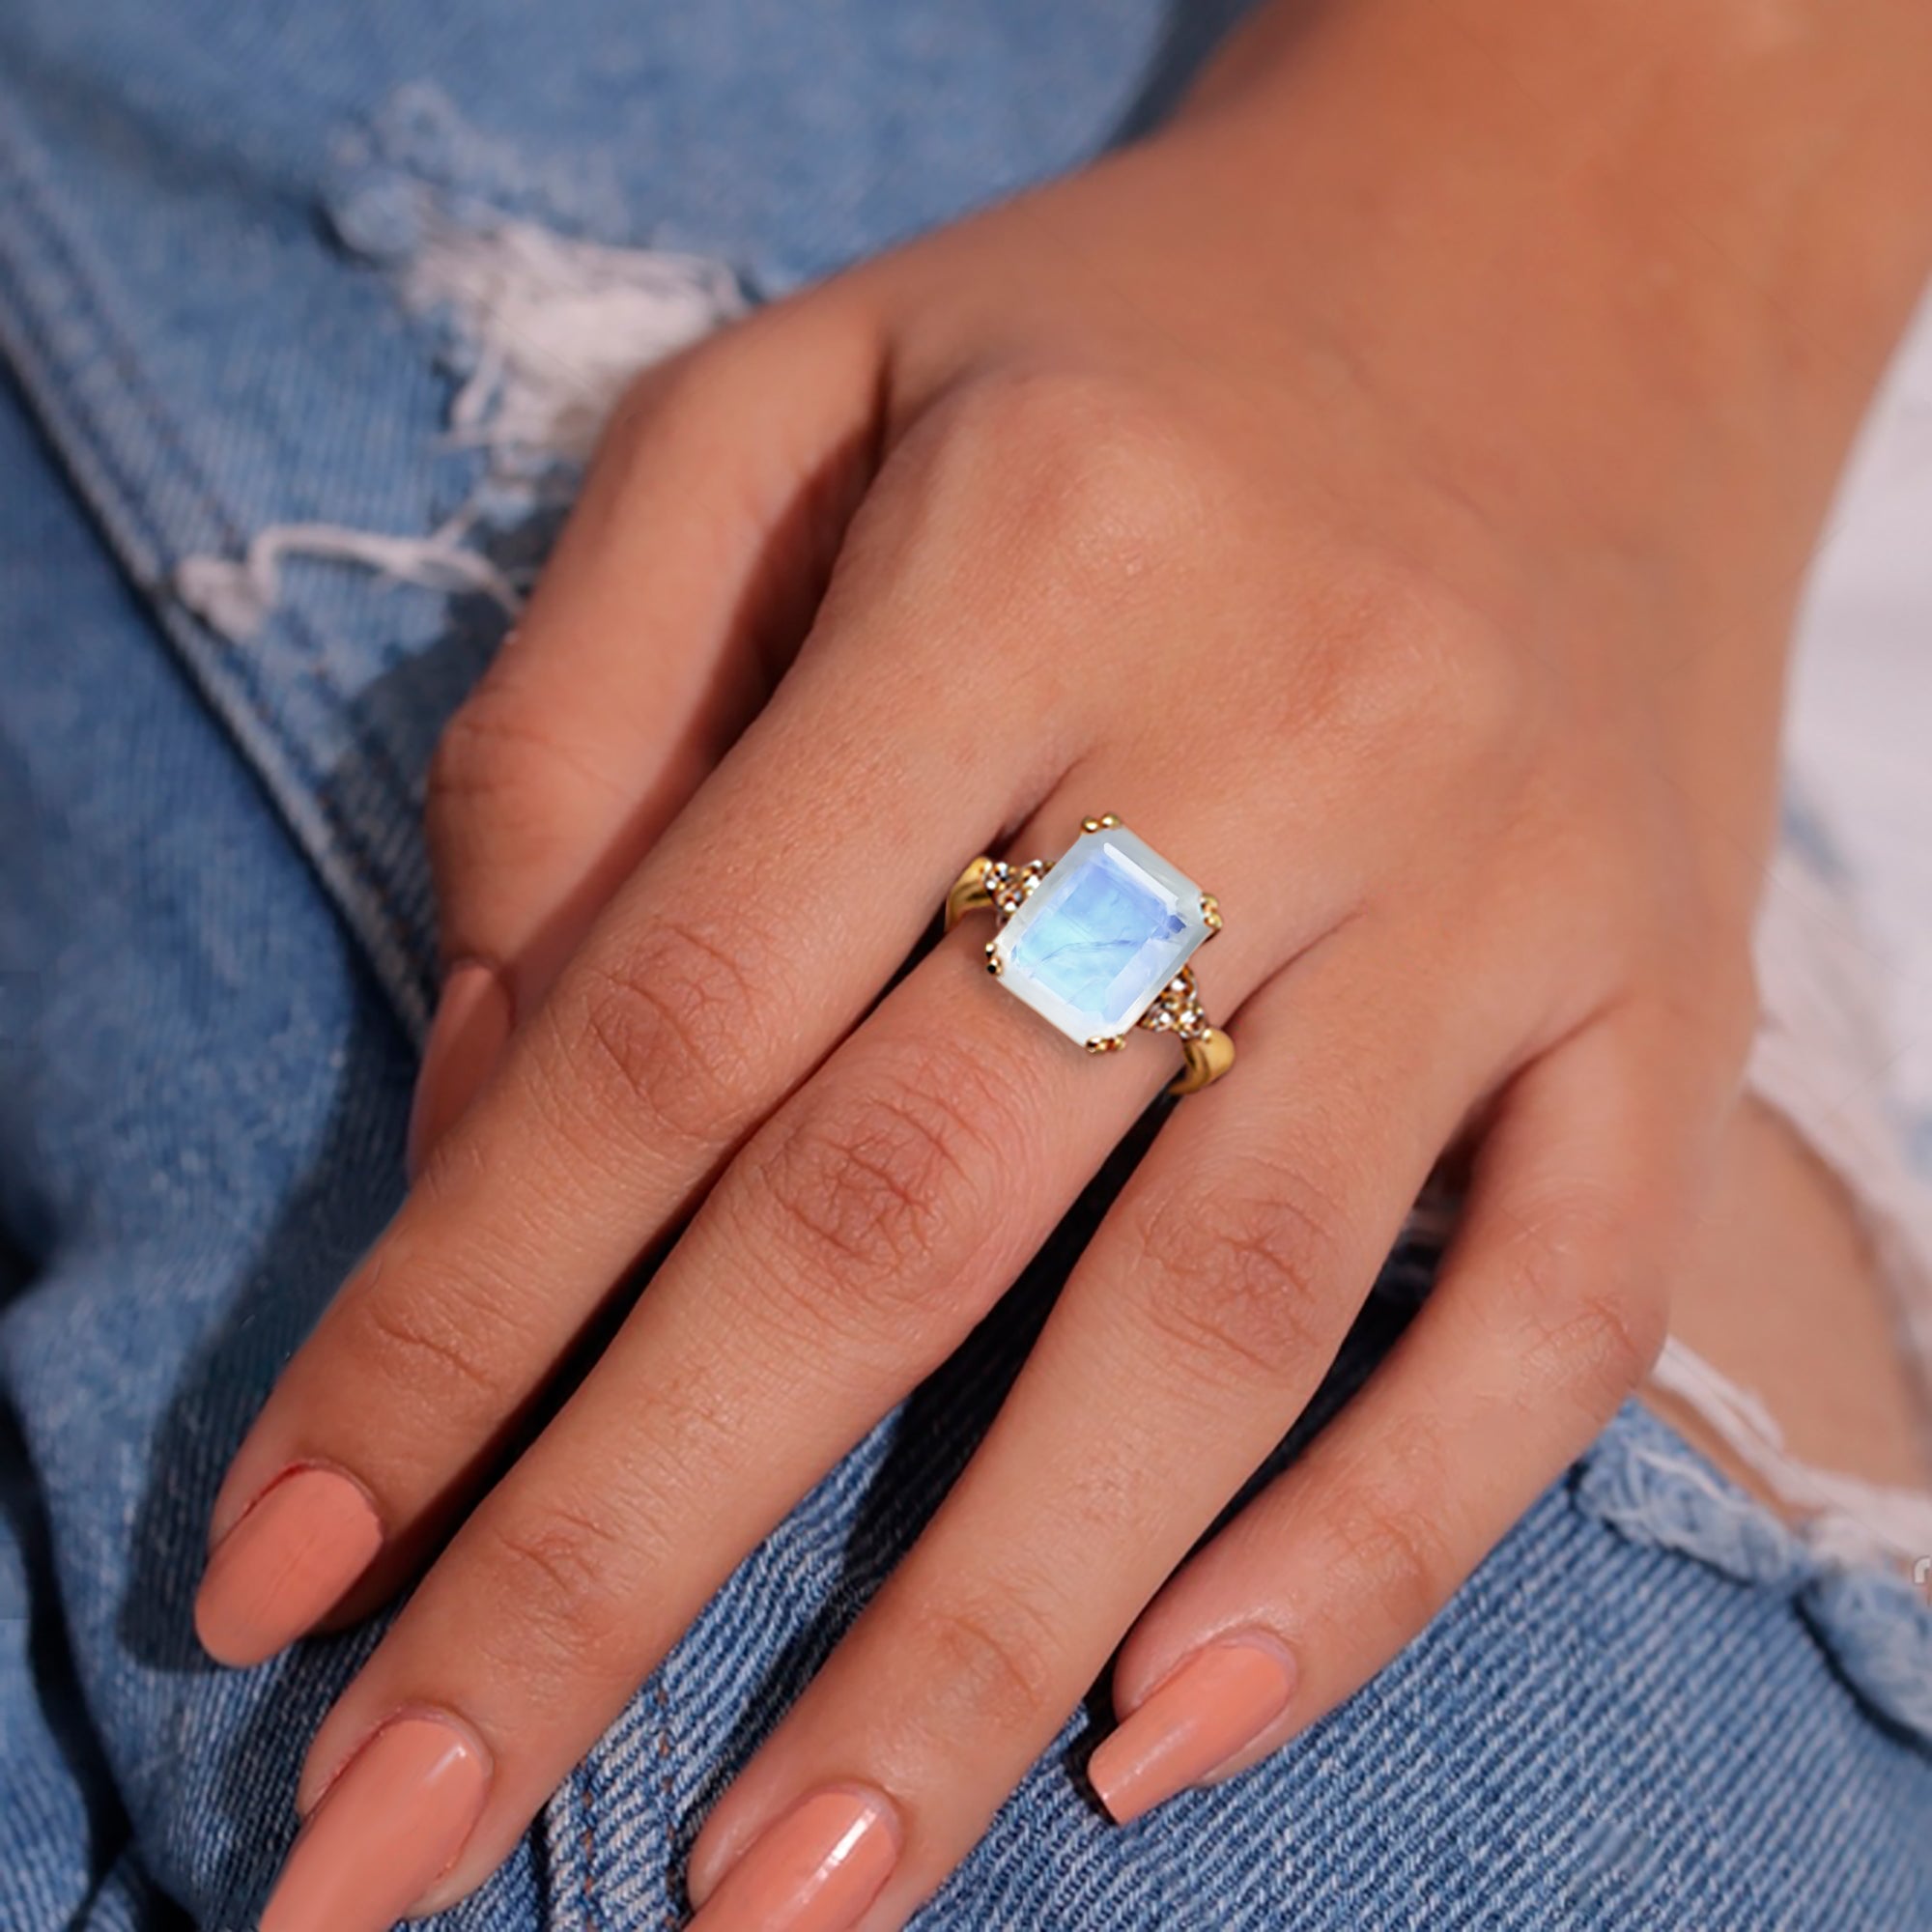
(1101, 936)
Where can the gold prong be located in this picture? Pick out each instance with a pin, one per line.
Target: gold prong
(1210, 911)
(1107, 1042)
(1104, 823)
(993, 957)
(969, 893)
(1208, 1057)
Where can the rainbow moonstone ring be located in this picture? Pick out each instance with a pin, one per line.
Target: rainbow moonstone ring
(1097, 941)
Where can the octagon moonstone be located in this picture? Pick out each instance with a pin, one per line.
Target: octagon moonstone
(1110, 925)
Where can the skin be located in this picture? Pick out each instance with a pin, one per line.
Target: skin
(1780, 1288)
(1388, 489)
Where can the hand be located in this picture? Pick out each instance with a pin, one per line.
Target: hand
(1403, 554)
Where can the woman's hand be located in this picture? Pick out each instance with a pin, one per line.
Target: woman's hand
(1382, 492)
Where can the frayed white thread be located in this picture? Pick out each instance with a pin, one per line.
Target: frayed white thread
(234, 595)
(555, 330)
(1844, 1520)
(559, 327)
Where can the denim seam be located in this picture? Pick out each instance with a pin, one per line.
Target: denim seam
(667, 1797)
(129, 507)
(587, 1803)
(125, 512)
(351, 844)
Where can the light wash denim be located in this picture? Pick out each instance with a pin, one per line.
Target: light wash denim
(1652, 1708)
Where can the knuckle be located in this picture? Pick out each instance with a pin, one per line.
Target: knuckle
(1393, 1553)
(666, 414)
(1474, 681)
(1242, 1277)
(879, 1187)
(994, 1658)
(568, 1577)
(1737, 1001)
(1093, 472)
(673, 1024)
(657, 392)
(1716, 1009)
(435, 1351)
(1592, 1324)
(1412, 661)
(493, 754)
(1599, 1345)
(418, 1338)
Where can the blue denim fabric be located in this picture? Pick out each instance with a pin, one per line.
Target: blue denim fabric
(1649, 1709)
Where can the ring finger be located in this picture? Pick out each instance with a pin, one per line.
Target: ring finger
(1189, 1336)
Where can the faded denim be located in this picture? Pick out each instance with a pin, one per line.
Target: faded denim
(1651, 1708)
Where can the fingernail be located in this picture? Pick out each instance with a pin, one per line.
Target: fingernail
(390, 1824)
(816, 1869)
(305, 1540)
(471, 1027)
(1215, 1704)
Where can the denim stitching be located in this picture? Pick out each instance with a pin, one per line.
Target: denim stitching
(668, 1791)
(587, 1811)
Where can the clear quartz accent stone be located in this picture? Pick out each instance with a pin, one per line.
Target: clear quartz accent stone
(1103, 932)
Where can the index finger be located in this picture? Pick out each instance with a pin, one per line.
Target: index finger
(754, 935)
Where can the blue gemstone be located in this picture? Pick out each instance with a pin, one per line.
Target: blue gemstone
(1106, 929)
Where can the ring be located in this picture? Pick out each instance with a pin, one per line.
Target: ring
(1097, 942)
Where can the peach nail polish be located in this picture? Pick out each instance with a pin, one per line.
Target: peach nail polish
(471, 1027)
(389, 1825)
(815, 1869)
(303, 1540)
(1213, 1705)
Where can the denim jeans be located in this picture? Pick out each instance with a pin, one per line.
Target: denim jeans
(1652, 1707)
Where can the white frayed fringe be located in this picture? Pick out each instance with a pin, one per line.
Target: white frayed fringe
(234, 595)
(559, 328)
(555, 328)
(1844, 1519)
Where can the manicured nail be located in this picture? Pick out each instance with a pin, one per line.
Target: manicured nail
(471, 1027)
(388, 1827)
(1215, 1704)
(816, 1869)
(303, 1540)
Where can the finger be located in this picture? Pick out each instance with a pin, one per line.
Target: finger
(1548, 1315)
(680, 588)
(846, 1252)
(751, 939)
(1196, 1325)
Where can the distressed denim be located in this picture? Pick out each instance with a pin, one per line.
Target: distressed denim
(1652, 1707)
